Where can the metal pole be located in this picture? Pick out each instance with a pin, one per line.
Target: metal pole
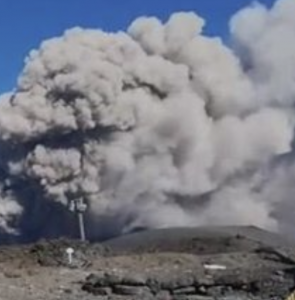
(81, 226)
(81, 208)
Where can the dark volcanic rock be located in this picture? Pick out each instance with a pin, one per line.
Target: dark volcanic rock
(267, 286)
(101, 291)
(202, 240)
(163, 295)
(171, 281)
(101, 279)
(255, 264)
(130, 290)
(134, 279)
(190, 290)
(193, 297)
(52, 253)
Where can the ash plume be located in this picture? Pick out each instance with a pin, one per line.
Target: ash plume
(154, 127)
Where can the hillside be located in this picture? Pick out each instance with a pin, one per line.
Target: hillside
(177, 263)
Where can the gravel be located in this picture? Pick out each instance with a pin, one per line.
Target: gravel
(156, 265)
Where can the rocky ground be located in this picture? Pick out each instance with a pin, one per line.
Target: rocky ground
(181, 264)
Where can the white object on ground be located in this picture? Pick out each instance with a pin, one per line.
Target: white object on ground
(70, 252)
(214, 267)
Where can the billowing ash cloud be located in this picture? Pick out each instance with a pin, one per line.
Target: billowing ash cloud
(159, 126)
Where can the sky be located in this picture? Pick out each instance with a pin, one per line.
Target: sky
(24, 24)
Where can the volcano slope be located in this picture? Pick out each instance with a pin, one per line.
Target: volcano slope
(176, 263)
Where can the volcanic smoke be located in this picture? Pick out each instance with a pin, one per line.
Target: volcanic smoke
(158, 126)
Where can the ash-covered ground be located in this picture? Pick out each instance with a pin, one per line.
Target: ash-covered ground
(177, 263)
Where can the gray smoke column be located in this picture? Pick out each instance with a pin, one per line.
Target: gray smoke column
(159, 126)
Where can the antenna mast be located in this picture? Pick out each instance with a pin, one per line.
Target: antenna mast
(79, 207)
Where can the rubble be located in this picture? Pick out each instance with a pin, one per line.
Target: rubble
(245, 263)
(263, 285)
(253, 264)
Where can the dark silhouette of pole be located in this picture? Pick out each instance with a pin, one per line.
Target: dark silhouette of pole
(79, 207)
